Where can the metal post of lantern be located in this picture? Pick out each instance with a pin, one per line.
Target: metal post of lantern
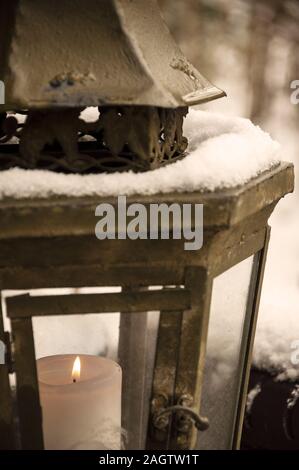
(7, 437)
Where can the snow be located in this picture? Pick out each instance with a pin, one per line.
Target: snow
(291, 402)
(254, 392)
(223, 152)
(277, 341)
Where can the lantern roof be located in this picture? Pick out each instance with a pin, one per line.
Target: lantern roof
(79, 53)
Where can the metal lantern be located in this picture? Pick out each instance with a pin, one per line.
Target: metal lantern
(116, 55)
(57, 58)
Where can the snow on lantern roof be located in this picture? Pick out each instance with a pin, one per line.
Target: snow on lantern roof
(92, 53)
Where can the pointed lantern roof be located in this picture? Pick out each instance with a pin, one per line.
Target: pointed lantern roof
(81, 53)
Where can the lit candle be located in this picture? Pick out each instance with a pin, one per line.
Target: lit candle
(81, 402)
(76, 371)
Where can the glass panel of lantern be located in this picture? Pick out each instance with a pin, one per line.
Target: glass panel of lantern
(224, 359)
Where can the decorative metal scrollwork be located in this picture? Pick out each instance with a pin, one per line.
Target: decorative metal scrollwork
(185, 416)
(122, 138)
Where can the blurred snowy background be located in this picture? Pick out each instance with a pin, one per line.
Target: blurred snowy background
(250, 48)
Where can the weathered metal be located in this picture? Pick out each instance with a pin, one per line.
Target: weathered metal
(122, 138)
(28, 405)
(24, 306)
(50, 254)
(81, 53)
(185, 416)
(7, 440)
(117, 55)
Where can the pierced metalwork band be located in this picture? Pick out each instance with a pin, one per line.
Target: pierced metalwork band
(137, 138)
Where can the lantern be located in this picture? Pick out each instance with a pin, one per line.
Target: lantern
(119, 57)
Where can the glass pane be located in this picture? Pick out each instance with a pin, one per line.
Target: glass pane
(222, 366)
(85, 414)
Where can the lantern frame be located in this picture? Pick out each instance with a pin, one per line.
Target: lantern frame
(51, 243)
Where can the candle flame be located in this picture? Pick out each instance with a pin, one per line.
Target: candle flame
(76, 372)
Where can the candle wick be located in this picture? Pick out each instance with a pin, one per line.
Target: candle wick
(74, 381)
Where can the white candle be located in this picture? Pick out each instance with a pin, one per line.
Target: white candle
(81, 402)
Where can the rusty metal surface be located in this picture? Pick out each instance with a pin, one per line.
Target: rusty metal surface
(190, 365)
(179, 369)
(163, 387)
(85, 52)
(64, 216)
(24, 306)
(123, 138)
(7, 440)
(28, 404)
